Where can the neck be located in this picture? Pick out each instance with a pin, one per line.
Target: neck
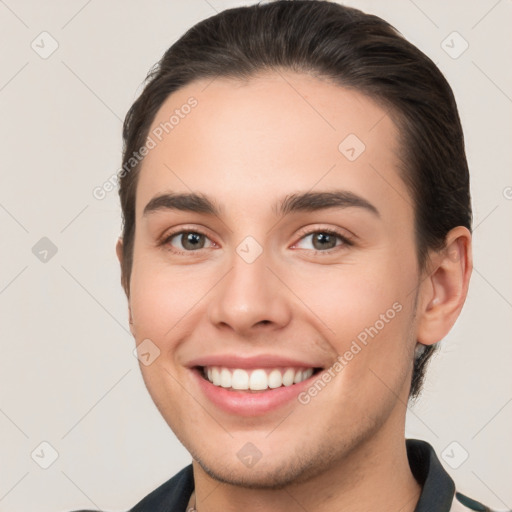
(374, 476)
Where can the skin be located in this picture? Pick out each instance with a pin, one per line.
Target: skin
(248, 144)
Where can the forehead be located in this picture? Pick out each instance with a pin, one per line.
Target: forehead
(277, 132)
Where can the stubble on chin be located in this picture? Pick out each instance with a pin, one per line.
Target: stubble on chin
(312, 463)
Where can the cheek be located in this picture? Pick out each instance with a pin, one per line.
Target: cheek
(156, 301)
(152, 307)
(166, 301)
(347, 299)
(367, 313)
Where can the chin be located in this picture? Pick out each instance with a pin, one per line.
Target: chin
(270, 478)
(273, 473)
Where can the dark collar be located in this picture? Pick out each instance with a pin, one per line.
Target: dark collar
(172, 496)
(437, 493)
(438, 487)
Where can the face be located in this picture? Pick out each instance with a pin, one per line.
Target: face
(264, 281)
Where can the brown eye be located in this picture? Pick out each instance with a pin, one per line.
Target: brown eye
(187, 241)
(322, 240)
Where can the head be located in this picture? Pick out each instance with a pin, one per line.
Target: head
(287, 99)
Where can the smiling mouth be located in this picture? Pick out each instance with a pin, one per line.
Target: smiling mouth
(257, 379)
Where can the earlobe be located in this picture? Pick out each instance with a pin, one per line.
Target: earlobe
(444, 291)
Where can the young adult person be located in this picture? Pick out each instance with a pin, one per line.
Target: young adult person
(296, 241)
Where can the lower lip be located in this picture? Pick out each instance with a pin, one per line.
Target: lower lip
(244, 403)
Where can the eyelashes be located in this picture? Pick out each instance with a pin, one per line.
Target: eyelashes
(194, 241)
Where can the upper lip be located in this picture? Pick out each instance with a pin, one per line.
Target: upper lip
(260, 361)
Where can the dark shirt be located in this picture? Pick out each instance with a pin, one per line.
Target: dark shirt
(437, 495)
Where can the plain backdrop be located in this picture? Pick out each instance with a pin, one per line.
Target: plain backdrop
(68, 376)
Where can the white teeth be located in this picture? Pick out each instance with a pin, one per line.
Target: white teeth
(256, 380)
(225, 378)
(307, 373)
(275, 379)
(240, 379)
(288, 377)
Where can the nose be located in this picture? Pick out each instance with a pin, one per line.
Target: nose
(251, 298)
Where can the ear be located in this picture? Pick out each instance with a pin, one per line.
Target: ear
(119, 252)
(444, 289)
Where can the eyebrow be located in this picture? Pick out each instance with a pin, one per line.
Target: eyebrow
(298, 202)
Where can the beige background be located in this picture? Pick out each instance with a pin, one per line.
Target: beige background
(68, 375)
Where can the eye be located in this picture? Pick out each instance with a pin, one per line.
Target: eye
(183, 242)
(188, 241)
(324, 240)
